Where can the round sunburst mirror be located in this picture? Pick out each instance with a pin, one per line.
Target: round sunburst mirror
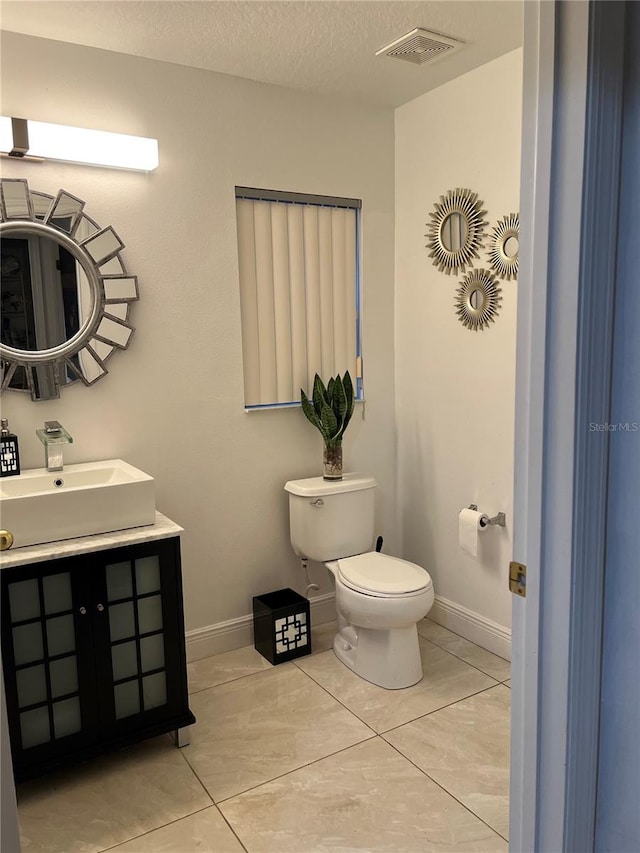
(478, 299)
(504, 245)
(65, 292)
(456, 230)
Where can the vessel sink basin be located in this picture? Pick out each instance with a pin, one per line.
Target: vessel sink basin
(40, 506)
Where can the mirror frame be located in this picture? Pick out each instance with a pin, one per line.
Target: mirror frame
(91, 337)
(468, 205)
(478, 318)
(506, 266)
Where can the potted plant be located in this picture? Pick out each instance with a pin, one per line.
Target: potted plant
(330, 410)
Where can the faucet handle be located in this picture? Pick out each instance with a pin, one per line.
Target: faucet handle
(53, 433)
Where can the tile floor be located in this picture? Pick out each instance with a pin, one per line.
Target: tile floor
(304, 757)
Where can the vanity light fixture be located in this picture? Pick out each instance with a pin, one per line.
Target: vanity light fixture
(37, 140)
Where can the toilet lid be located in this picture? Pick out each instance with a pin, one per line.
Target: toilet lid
(381, 574)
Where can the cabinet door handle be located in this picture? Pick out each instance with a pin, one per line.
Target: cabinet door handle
(83, 611)
(100, 608)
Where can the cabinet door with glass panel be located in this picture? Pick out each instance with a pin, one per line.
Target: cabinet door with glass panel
(141, 636)
(49, 670)
(93, 653)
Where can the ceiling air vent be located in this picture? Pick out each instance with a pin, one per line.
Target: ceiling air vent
(420, 46)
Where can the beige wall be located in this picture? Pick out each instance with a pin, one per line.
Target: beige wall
(173, 404)
(454, 387)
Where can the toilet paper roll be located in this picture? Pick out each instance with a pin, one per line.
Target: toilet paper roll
(471, 523)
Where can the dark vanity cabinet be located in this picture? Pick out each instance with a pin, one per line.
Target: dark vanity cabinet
(93, 651)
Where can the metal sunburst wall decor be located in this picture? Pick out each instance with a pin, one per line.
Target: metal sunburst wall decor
(79, 285)
(456, 230)
(478, 299)
(503, 247)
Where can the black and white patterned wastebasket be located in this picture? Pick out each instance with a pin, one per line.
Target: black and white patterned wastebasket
(281, 625)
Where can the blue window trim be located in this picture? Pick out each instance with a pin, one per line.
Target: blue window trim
(359, 391)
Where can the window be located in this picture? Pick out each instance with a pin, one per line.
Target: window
(299, 292)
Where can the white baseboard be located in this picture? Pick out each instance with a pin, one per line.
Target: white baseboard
(235, 633)
(472, 626)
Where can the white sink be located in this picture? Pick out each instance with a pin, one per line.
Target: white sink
(40, 506)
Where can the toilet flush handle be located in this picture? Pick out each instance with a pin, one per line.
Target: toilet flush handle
(317, 503)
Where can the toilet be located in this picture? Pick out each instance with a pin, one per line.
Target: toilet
(379, 599)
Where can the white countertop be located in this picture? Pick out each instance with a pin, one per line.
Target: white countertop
(163, 528)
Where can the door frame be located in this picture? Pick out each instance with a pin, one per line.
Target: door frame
(573, 82)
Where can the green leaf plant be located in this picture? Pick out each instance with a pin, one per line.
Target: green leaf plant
(330, 408)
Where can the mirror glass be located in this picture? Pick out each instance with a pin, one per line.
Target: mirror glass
(16, 202)
(476, 298)
(511, 247)
(454, 232)
(65, 212)
(44, 293)
(64, 290)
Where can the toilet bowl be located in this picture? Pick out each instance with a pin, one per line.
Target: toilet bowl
(379, 598)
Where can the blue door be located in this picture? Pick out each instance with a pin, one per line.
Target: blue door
(618, 795)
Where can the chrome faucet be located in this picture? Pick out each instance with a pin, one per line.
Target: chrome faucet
(54, 437)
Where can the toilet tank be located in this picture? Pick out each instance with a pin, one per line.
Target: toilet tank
(330, 519)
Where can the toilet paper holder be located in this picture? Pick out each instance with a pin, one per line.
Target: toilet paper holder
(498, 519)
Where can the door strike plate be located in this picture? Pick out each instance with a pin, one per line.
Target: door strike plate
(518, 578)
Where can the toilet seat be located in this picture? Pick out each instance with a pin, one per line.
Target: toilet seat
(382, 576)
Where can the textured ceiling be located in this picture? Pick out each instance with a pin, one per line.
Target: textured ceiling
(326, 47)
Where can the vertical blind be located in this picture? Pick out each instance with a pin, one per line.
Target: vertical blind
(298, 264)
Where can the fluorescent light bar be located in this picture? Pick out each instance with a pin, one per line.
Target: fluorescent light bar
(79, 145)
(6, 134)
